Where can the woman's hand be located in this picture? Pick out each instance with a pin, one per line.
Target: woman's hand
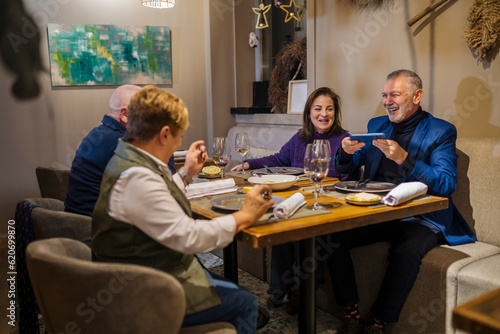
(237, 168)
(254, 206)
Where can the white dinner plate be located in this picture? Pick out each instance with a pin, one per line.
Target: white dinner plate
(369, 187)
(235, 202)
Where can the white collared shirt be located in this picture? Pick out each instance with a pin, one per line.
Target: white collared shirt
(141, 197)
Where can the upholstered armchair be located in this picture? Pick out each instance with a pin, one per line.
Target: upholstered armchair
(75, 293)
(52, 182)
(36, 219)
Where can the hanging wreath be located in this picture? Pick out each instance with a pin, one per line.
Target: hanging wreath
(483, 29)
(291, 64)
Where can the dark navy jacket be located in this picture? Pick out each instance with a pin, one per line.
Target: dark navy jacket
(91, 158)
(435, 164)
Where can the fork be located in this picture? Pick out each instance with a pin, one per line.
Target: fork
(361, 184)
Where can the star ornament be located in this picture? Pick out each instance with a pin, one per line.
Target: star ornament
(261, 18)
(292, 12)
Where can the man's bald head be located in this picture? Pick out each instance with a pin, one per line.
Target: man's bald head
(119, 101)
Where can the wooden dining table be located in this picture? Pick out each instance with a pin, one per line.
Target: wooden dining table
(479, 315)
(338, 216)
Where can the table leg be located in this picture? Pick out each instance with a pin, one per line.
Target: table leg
(230, 253)
(307, 290)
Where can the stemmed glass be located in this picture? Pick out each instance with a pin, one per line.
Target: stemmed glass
(225, 157)
(221, 153)
(242, 145)
(327, 148)
(316, 165)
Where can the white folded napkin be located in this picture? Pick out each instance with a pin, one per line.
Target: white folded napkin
(196, 190)
(289, 206)
(180, 154)
(404, 192)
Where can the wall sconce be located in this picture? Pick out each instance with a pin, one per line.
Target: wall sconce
(158, 3)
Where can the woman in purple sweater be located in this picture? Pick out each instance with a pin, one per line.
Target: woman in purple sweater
(321, 120)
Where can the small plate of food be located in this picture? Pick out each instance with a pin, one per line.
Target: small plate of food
(210, 172)
(363, 198)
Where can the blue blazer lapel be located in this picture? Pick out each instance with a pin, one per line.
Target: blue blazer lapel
(418, 137)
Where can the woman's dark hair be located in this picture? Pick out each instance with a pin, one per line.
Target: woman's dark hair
(307, 131)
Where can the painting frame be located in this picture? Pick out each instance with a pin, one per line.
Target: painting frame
(109, 55)
(297, 96)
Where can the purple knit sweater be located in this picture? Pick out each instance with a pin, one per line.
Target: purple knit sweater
(293, 152)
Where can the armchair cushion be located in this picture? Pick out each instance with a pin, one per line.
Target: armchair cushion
(53, 183)
(49, 221)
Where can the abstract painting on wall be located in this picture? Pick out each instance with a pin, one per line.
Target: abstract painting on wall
(92, 54)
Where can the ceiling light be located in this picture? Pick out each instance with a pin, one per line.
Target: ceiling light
(158, 3)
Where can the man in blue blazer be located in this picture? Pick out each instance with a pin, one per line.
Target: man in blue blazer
(418, 147)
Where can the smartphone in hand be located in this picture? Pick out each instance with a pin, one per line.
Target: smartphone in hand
(367, 137)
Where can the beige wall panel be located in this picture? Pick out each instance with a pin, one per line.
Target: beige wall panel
(356, 50)
(222, 66)
(46, 131)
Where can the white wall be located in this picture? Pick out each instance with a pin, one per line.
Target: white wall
(46, 131)
(354, 51)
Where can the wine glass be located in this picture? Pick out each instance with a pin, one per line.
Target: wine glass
(225, 157)
(218, 150)
(242, 145)
(316, 165)
(326, 144)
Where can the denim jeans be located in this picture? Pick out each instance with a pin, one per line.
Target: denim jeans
(238, 306)
(410, 241)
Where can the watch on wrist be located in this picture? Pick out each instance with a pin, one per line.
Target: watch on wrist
(184, 175)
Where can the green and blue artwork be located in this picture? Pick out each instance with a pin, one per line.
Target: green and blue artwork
(92, 54)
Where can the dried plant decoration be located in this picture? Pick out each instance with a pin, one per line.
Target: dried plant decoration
(291, 64)
(483, 29)
(361, 5)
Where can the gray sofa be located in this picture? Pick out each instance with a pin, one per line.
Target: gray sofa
(449, 276)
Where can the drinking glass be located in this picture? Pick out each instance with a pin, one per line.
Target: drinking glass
(316, 165)
(225, 157)
(242, 145)
(326, 144)
(220, 153)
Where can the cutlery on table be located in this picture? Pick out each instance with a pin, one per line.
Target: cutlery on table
(269, 170)
(361, 184)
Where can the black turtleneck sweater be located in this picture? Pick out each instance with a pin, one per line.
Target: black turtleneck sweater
(390, 171)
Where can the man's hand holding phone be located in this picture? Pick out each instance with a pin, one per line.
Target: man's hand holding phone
(356, 141)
